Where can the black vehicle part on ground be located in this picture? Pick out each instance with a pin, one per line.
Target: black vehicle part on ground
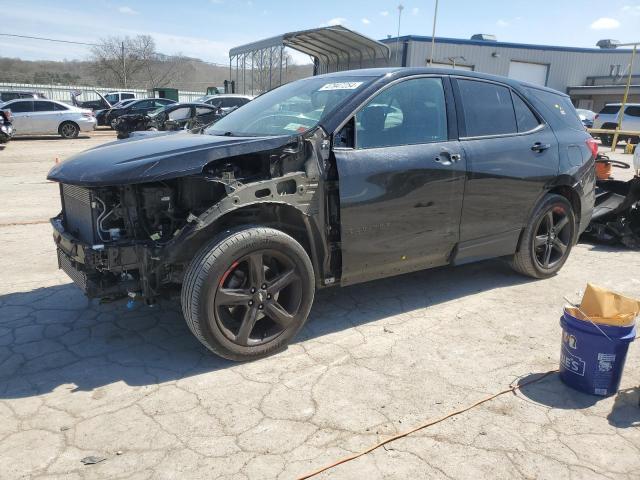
(616, 216)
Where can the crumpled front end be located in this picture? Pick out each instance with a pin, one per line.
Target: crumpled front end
(137, 239)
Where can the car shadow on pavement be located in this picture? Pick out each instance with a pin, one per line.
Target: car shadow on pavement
(48, 137)
(54, 336)
(551, 392)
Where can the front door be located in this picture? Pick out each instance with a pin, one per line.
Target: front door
(401, 182)
(22, 112)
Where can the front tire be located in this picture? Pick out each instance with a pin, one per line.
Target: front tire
(247, 293)
(548, 238)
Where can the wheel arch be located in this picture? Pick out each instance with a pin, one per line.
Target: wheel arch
(278, 215)
(565, 189)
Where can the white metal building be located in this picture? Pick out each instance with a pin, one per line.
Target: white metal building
(567, 69)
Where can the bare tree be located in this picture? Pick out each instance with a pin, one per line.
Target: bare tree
(121, 59)
(134, 62)
(269, 70)
(161, 70)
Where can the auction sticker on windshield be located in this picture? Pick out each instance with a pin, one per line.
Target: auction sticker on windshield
(341, 86)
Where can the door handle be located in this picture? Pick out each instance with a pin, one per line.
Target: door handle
(540, 147)
(445, 157)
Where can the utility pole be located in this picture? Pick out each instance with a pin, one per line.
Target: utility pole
(626, 93)
(124, 65)
(433, 34)
(400, 8)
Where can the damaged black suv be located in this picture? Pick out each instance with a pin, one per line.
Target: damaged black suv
(330, 180)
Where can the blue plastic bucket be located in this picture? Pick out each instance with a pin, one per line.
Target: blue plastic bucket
(589, 361)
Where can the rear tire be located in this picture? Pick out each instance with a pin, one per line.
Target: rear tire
(248, 292)
(68, 130)
(547, 239)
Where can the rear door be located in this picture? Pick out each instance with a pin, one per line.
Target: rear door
(511, 154)
(401, 181)
(22, 111)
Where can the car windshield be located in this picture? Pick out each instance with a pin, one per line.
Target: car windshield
(294, 107)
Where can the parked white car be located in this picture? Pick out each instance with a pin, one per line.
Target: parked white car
(49, 117)
(607, 118)
(225, 101)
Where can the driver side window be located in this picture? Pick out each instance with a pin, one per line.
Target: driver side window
(410, 112)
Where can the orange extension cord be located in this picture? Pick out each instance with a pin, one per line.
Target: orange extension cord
(424, 425)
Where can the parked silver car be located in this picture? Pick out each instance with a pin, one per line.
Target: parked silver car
(49, 117)
(608, 119)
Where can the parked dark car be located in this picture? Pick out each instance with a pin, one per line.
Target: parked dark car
(7, 95)
(384, 171)
(176, 116)
(101, 115)
(145, 105)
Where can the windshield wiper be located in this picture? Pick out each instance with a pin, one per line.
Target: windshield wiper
(227, 134)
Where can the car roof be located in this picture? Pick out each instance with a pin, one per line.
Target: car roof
(227, 95)
(21, 91)
(400, 72)
(618, 104)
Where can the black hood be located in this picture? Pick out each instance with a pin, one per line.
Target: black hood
(140, 160)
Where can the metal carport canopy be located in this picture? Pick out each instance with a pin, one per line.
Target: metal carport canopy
(335, 46)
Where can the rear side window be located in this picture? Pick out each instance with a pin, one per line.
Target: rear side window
(488, 109)
(180, 113)
(39, 106)
(560, 107)
(59, 107)
(632, 111)
(21, 107)
(128, 95)
(204, 110)
(610, 109)
(525, 118)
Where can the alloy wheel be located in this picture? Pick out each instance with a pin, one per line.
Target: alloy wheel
(68, 130)
(553, 236)
(258, 298)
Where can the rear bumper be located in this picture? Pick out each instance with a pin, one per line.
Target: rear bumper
(87, 125)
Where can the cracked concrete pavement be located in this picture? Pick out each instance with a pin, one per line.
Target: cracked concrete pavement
(134, 387)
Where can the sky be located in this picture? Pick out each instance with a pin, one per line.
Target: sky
(207, 29)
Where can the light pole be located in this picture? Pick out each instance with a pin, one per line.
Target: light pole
(400, 8)
(626, 93)
(433, 34)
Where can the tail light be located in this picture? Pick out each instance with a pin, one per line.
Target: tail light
(593, 146)
(597, 116)
(88, 115)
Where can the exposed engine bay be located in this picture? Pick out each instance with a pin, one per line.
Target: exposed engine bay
(136, 239)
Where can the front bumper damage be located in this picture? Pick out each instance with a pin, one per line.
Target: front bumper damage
(99, 270)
